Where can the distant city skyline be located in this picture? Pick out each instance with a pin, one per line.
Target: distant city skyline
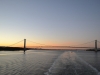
(49, 22)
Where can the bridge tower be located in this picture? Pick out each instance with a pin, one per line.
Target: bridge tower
(24, 45)
(96, 45)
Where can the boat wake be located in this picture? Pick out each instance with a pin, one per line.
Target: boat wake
(68, 63)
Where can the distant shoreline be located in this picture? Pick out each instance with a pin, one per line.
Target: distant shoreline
(92, 50)
(21, 49)
(12, 48)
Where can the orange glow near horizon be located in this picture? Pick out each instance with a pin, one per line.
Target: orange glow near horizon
(28, 44)
(46, 44)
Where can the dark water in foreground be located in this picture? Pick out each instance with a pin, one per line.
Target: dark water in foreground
(39, 62)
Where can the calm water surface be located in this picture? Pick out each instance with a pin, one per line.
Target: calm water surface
(91, 57)
(38, 62)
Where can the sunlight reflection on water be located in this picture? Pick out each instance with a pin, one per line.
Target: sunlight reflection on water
(40, 62)
(31, 63)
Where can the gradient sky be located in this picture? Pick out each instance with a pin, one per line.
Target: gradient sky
(51, 22)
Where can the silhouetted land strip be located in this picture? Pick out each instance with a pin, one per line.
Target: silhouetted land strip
(92, 50)
(12, 48)
(3, 48)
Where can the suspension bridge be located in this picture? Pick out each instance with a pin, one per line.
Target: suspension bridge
(95, 45)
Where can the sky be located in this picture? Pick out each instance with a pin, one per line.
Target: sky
(49, 22)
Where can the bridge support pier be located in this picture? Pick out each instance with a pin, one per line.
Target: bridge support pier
(96, 45)
(24, 45)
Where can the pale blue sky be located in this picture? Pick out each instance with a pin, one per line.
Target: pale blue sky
(62, 22)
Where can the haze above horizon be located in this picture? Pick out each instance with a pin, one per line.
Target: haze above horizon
(51, 22)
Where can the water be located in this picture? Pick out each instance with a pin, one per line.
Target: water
(91, 57)
(43, 62)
